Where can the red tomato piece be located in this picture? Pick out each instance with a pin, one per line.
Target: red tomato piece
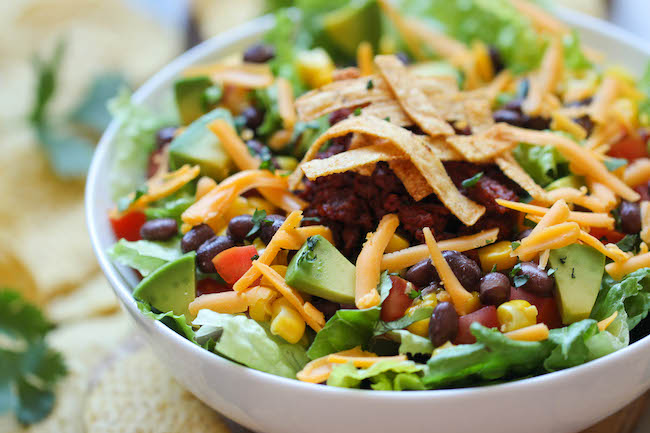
(630, 147)
(232, 263)
(486, 316)
(606, 236)
(397, 301)
(547, 311)
(128, 225)
(208, 285)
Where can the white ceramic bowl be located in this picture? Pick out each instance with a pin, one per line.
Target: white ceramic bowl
(562, 402)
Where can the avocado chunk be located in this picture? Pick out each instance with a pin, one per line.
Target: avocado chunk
(352, 24)
(578, 275)
(321, 270)
(189, 94)
(171, 287)
(198, 145)
(571, 181)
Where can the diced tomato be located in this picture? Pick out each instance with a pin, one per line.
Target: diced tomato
(630, 147)
(208, 285)
(486, 316)
(397, 301)
(547, 311)
(232, 263)
(606, 236)
(128, 225)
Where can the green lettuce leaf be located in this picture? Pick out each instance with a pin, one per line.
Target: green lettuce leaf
(250, 343)
(571, 345)
(543, 163)
(172, 207)
(345, 330)
(615, 337)
(145, 256)
(383, 375)
(287, 39)
(495, 22)
(133, 143)
(175, 322)
(419, 314)
(574, 57)
(644, 106)
(493, 356)
(411, 344)
(630, 297)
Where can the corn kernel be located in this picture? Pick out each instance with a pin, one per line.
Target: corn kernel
(421, 328)
(428, 300)
(443, 296)
(513, 315)
(287, 322)
(261, 204)
(260, 299)
(315, 67)
(396, 243)
(285, 162)
(259, 245)
(239, 206)
(473, 304)
(387, 44)
(496, 254)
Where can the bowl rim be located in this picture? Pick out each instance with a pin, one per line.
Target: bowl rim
(121, 288)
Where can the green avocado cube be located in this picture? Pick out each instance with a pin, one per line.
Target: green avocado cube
(189, 94)
(352, 24)
(319, 269)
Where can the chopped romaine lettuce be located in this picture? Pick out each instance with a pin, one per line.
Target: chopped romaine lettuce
(630, 297)
(134, 141)
(144, 256)
(543, 163)
(644, 106)
(574, 57)
(571, 345)
(345, 330)
(250, 343)
(386, 375)
(411, 344)
(171, 207)
(419, 314)
(175, 322)
(287, 41)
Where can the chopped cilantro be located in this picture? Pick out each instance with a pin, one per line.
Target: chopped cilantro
(267, 164)
(387, 118)
(414, 293)
(30, 369)
(312, 219)
(472, 181)
(520, 280)
(630, 243)
(573, 273)
(613, 164)
(514, 245)
(370, 85)
(494, 268)
(126, 201)
(357, 111)
(255, 257)
(515, 269)
(259, 219)
(551, 271)
(563, 260)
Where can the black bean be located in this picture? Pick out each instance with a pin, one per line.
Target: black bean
(403, 57)
(466, 270)
(209, 251)
(165, 136)
(161, 229)
(267, 230)
(580, 103)
(508, 116)
(443, 325)
(537, 123)
(497, 60)
(630, 214)
(193, 239)
(538, 283)
(494, 289)
(259, 53)
(256, 146)
(239, 226)
(253, 116)
(422, 273)
(328, 308)
(523, 234)
(338, 115)
(586, 122)
(514, 105)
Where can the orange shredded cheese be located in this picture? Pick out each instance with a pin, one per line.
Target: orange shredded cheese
(543, 259)
(285, 103)
(562, 122)
(645, 221)
(312, 316)
(204, 185)
(613, 252)
(604, 98)
(558, 213)
(618, 270)
(545, 81)
(637, 172)
(369, 262)
(245, 75)
(318, 370)
(161, 187)
(364, 58)
(224, 302)
(363, 361)
(268, 255)
(461, 298)
(587, 219)
(579, 197)
(295, 239)
(550, 238)
(393, 262)
(604, 324)
(537, 332)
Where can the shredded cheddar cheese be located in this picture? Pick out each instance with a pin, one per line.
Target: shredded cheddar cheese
(604, 324)
(537, 332)
(224, 302)
(318, 370)
(293, 240)
(364, 58)
(544, 82)
(543, 259)
(637, 172)
(645, 221)
(285, 103)
(617, 270)
(553, 237)
(163, 186)
(613, 252)
(586, 219)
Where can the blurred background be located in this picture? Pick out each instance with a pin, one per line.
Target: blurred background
(61, 61)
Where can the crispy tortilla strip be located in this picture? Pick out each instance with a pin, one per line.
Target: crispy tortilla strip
(413, 100)
(481, 147)
(416, 185)
(513, 171)
(246, 75)
(479, 115)
(583, 161)
(348, 73)
(351, 160)
(388, 110)
(420, 154)
(545, 80)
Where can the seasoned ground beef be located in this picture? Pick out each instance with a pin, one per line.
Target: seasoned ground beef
(352, 204)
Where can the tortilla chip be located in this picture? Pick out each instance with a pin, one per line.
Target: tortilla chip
(513, 170)
(135, 387)
(94, 298)
(479, 115)
(413, 100)
(390, 111)
(416, 185)
(348, 73)
(351, 159)
(483, 147)
(419, 153)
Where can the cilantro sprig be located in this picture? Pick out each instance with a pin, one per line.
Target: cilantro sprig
(259, 219)
(472, 181)
(29, 368)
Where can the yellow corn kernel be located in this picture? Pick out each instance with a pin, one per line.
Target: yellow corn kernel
(428, 300)
(443, 296)
(473, 304)
(496, 254)
(387, 44)
(259, 246)
(261, 204)
(421, 328)
(287, 322)
(285, 162)
(513, 315)
(315, 67)
(239, 206)
(260, 299)
(280, 269)
(396, 243)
